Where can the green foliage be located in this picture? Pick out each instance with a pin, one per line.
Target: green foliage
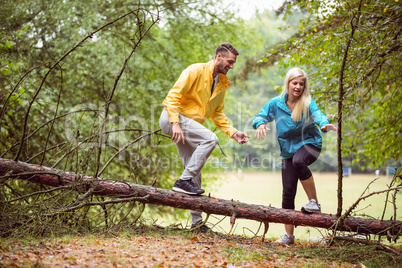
(255, 86)
(371, 114)
(93, 112)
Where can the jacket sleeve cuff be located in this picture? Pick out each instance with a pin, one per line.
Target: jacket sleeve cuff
(323, 124)
(174, 120)
(232, 132)
(255, 126)
(173, 116)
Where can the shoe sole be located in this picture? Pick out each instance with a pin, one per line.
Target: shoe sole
(282, 243)
(286, 244)
(310, 211)
(200, 229)
(185, 192)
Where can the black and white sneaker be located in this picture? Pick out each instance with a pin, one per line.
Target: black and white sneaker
(187, 187)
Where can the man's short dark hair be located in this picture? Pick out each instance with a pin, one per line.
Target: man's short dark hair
(224, 48)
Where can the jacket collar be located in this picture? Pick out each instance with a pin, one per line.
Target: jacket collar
(284, 98)
(282, 102)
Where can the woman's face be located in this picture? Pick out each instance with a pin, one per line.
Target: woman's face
(296, 87)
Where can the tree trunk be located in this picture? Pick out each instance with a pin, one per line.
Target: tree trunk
(210, 205)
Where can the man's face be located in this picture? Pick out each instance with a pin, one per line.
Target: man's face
(225, 63)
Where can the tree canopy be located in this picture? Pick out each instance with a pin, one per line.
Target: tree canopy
(82, 85)
(355, 45)
(82, 82)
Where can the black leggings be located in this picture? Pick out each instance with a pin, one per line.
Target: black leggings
(296, 168)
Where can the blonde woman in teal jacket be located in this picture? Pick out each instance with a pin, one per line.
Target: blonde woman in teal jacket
(298, 122)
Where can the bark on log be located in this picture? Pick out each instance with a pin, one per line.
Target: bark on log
(210, 205)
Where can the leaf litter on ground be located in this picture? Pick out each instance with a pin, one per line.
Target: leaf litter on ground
(164, 248)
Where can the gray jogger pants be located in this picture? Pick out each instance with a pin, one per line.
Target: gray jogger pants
(199, 144)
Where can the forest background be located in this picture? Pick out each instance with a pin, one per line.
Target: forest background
(82, 85)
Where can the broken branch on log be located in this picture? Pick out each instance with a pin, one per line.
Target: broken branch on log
(209, 205)
(367, 242)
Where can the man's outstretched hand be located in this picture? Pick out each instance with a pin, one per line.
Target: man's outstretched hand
(240, 137)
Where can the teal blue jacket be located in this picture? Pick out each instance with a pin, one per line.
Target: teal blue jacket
(292, 135)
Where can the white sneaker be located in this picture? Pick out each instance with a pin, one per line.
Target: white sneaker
(286, 240)
(311, 207)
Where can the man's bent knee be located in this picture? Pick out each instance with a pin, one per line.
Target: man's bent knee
(214, 138)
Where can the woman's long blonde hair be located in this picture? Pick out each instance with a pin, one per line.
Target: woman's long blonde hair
(301, 107)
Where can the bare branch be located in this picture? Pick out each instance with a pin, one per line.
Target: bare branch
(142, 35)
(347, 213)
(55, 113)
(43, 125)
(15, 89)
(50, 70)
(367, 242)
(124, 148)
(340, 108)
(39, 192)
(123, 200)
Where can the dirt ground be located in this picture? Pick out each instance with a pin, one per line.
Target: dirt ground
(160, 250)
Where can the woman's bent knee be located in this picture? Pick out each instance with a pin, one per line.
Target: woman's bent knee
(299, 163)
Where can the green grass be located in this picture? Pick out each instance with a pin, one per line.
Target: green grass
(369, 255)
(266, 189)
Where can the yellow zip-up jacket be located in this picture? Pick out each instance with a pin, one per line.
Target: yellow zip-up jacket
(191, 97)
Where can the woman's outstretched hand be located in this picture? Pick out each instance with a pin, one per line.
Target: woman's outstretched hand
(329, 127)
(262, 131)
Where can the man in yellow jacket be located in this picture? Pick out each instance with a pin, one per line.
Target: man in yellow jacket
(198, 95)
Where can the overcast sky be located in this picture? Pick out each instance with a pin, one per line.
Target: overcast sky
(247, 8)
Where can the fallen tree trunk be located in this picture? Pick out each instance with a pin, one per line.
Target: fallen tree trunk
(210, 205)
